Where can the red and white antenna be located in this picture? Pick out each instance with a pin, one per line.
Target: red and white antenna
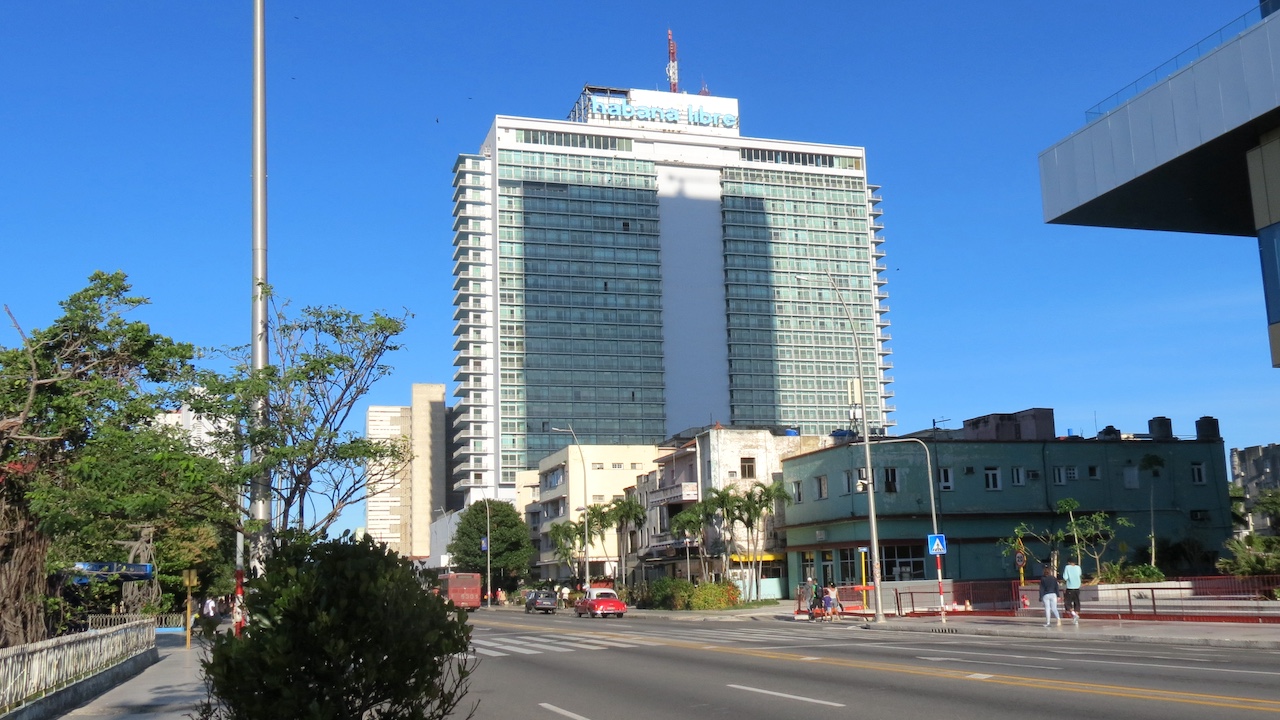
(673, 71)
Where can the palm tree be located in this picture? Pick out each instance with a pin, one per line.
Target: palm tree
(689, 522)
(727, 504)
(564, 537)
(757, 505)
(625, 512)
(597, 519)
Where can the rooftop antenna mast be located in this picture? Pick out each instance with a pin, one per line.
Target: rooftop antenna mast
(673, 71)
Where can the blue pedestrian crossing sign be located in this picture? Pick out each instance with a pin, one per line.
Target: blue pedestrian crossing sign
(937, 544)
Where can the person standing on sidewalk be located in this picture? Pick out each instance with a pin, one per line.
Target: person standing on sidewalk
(1049, 596)
(1071, 594)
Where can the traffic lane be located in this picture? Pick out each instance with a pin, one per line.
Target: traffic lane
(1211, 669)
(682, 678)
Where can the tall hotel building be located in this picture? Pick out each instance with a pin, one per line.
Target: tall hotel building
(641, 268)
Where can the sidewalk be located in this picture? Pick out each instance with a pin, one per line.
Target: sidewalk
(170, 688)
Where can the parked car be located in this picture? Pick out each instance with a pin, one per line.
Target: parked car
(599, 602)
(542, 601)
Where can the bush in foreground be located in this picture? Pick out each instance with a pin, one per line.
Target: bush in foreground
(339, 630)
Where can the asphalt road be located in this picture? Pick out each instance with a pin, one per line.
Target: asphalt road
(542, 666)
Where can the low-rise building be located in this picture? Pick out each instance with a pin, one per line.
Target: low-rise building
(1173, 491)
(1253, 470)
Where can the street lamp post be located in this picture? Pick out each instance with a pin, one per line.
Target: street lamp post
(933, 512)
(488, 557)
(586, 535)
(859, 407)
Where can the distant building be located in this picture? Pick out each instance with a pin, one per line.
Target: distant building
(641, 267)
(1255, 469)
(714, 458)
(401, 506)
(983, 489)
(567, 481)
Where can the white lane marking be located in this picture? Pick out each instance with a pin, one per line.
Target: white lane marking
(1091, 661)
(601, 641)
(490, 653)
(561, 711)
(785, 695)
(979, 676)
(985, 662)
(811, 657)
(512, 648)
(628, 637)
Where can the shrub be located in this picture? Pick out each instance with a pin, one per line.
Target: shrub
(1119, 572)
(670, 593)
(714, 596)
(339, 630)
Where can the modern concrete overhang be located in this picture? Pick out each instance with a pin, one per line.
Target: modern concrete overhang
(1174, 157)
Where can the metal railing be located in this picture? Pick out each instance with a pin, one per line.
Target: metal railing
(28, 672)
(1181, 60)
(165, 620)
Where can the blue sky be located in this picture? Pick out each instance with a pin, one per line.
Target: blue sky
(124, 144)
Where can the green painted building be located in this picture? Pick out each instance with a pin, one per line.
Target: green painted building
(996, 473)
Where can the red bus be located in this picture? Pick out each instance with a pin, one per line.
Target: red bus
(463, 589)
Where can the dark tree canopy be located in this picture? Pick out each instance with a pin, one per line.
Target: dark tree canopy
(510, 545)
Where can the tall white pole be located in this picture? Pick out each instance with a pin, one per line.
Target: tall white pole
(260, 486)
(586, 535)
(488, 555)
(861, 407)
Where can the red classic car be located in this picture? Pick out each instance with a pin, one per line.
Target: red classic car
(599, 602)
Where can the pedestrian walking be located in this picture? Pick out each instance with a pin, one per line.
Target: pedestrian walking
(1071, 591)
(564, 595)
(836, 605)
(1049, 596)
(829, 604)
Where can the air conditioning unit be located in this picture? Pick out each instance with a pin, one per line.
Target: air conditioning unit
(819, 535)
(1200, 515)
(1033, 474)
(968, 470)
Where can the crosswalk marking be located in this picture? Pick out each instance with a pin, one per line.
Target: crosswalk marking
(512, 648)
(572, 643)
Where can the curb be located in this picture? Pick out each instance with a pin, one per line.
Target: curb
(1073, 634)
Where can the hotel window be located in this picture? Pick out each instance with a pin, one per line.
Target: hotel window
(1017, 476)
(1197, 473)
(617, 466)
(820, 487)
(748, 465)
(944, 479)
(796, 495)
(991, 478)
(891, 479)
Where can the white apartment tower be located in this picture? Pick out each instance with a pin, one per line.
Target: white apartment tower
(641, 268)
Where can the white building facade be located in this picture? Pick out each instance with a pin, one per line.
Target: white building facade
(642, 267)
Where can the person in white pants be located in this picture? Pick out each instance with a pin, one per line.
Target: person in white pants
(1049, 596)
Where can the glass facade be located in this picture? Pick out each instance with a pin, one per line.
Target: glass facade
(580, 298)
(792, 350)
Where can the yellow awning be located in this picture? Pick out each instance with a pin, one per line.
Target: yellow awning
(766, 557)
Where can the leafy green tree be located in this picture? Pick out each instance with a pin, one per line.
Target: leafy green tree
(63, 388)
(510, 549)
(696, 520)
(727, 505)
(1268, 504)
(598, 523)
(1093, 534)
(625, 513)
(1049, 539)
(324, 362)
(339, 630)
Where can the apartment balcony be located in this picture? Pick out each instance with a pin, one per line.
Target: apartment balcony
(882, 309)
(684, 492)
(884, 337)
(874, 199)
